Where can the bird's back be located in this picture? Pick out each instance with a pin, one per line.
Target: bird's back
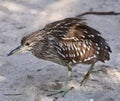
(75, 42)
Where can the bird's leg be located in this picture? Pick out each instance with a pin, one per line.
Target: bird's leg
(87, 75)
(65, 88)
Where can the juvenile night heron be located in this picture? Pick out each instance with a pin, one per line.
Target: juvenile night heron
(67, 42)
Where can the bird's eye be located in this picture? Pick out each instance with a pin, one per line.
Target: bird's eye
(27, 43)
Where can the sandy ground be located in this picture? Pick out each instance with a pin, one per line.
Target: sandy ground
(23, 77)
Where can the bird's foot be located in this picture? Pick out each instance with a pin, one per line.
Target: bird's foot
(63, 90)
(86, 77)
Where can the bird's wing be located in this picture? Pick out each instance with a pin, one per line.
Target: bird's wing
(82, 44)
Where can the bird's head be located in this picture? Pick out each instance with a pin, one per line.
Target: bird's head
(27, 43)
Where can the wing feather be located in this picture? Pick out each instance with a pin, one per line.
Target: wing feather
(83, 44)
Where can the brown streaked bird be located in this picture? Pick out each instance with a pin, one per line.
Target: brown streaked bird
(67, 42)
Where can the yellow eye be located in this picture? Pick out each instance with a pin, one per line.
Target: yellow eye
(27, 43)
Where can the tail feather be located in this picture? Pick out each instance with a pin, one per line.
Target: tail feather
(105, 52)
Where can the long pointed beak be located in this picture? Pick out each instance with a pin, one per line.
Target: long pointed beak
(16, 50)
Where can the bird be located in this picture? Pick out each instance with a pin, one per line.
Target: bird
(68, 42)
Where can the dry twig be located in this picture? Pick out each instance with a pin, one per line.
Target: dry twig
(98, 13)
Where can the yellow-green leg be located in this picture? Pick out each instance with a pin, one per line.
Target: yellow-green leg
(87, 75)
(65, 88)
